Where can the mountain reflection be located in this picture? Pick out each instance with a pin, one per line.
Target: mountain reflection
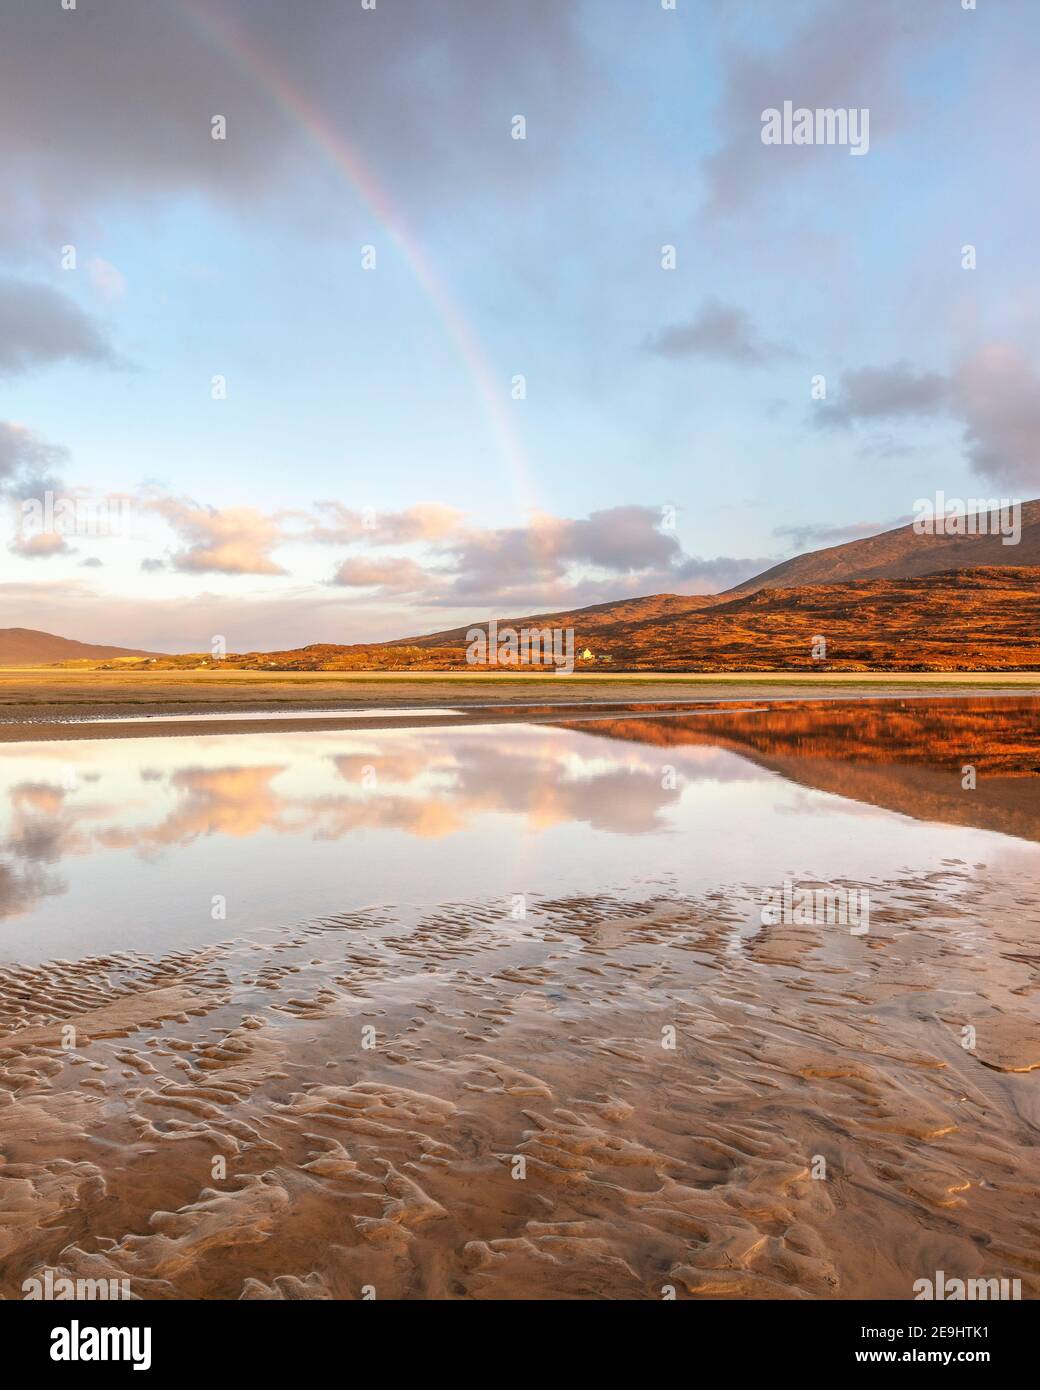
(623, 776)
(915, 756)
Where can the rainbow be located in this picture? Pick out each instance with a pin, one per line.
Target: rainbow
(229, 38)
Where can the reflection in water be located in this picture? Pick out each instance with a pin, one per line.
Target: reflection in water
(323, 819)
(222, 920)
(963, 761)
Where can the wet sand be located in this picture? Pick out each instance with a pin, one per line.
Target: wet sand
(606, 1097)
(536, 1048)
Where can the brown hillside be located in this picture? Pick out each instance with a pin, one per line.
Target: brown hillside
(598, 618)
(900, 554)
(968, 620)
(23, 646)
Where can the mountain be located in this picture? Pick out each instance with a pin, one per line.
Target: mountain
(22, 646)
(974, 619)
(898, 601)
(897, 554)
(597, 619)
(965, 620)
(901, 554)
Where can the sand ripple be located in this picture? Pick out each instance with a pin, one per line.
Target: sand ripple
(623, 1099)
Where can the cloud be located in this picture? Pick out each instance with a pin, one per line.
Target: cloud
(549, 563)
(427, 521)
(235, 540)
(39, 546)
(820, 536)
(884, 393)
(996, 393)
(27, 462)
(39, 326)
(560, 563)
(557, 561)
(376, 76)
(622, 540)
(714, 576)
(843, 56)
(721, 331)
(391, 573)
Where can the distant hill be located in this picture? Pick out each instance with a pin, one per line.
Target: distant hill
(901, 554)
(966, 620)
(973, 619)
(596, 619)
(898, 601)
(898, 554)
(22, 646)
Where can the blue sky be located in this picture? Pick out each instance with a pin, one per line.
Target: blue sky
(645, 387)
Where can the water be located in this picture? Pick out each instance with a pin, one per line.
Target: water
(237, 716)
(126, 844)
(379, 968)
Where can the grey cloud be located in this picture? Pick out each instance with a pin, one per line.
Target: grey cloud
(817, 536)
(27, 463)
(713, 576)
(38, 325)
(996, 393)
(620, 538)
(397, 85)
(842, 56)
(717, 330)
(532, 565)
(883, 393)
(623, 540)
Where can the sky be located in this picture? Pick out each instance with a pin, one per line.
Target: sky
(373, 365)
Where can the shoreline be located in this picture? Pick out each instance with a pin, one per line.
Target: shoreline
(39, 704)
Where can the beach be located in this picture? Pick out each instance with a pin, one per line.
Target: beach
(491, 1011)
